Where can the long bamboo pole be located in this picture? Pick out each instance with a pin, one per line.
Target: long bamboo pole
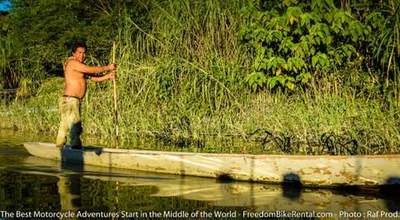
(115, 121)
(115, 101)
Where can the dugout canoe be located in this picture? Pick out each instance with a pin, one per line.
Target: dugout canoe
(259, 196)
(318, 171)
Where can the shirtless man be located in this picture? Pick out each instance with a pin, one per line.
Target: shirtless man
(75, 72)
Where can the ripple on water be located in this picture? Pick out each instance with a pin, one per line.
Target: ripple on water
(31, 183)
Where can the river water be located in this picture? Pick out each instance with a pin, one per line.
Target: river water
(40, 188)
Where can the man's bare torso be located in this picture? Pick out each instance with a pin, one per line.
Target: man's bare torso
(74, 82)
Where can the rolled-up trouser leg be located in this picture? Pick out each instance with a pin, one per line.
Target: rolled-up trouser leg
(63, 128)
(75, 134)
(70, 122)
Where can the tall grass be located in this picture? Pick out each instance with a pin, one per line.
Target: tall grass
(181, 87)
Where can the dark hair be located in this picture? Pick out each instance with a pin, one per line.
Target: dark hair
(78, 44)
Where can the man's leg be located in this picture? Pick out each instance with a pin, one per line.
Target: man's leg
(64, 125)
(76, 131)
(76, 126)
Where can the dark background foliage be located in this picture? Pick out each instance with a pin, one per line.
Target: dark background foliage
(290, 42)
(36, 35)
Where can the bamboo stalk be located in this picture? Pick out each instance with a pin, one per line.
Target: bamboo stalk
(115, 120)
(115, 101)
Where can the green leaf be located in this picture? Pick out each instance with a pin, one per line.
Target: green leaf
(256, 80)
(290, 85)
(272, 82)
(289, 2)
(314, 61)
(304, 77)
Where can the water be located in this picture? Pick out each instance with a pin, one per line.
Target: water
(39, 188)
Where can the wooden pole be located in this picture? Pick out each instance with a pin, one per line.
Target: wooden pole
(115, 121)
(115, 101)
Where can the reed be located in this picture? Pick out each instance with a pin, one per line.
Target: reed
(181, 87)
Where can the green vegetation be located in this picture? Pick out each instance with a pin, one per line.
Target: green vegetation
(298, 77)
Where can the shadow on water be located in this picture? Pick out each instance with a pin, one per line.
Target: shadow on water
(391, 193)
(292, 189)
(291, 186)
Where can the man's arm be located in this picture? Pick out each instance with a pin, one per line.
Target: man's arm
(90, 70)
(104, 77)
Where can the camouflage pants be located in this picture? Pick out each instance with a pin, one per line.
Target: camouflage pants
(70, 124)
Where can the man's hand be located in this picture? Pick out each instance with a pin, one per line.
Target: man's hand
(112, 75)
(112, 66)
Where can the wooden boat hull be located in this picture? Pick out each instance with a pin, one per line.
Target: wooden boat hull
(261, 197)
(319, 171)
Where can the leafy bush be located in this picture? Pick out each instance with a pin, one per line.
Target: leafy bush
(294, 40)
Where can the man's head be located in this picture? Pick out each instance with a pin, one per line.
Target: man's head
(79, 51)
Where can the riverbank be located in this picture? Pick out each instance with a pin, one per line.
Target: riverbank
(212, 76)
(319, 122)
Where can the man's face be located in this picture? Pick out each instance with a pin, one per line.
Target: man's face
(79, 54)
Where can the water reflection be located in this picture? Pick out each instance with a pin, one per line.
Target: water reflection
(69, 187)
(31, 183)
(69, 192)
(121, 185)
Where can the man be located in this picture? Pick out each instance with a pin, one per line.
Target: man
(75, 74)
